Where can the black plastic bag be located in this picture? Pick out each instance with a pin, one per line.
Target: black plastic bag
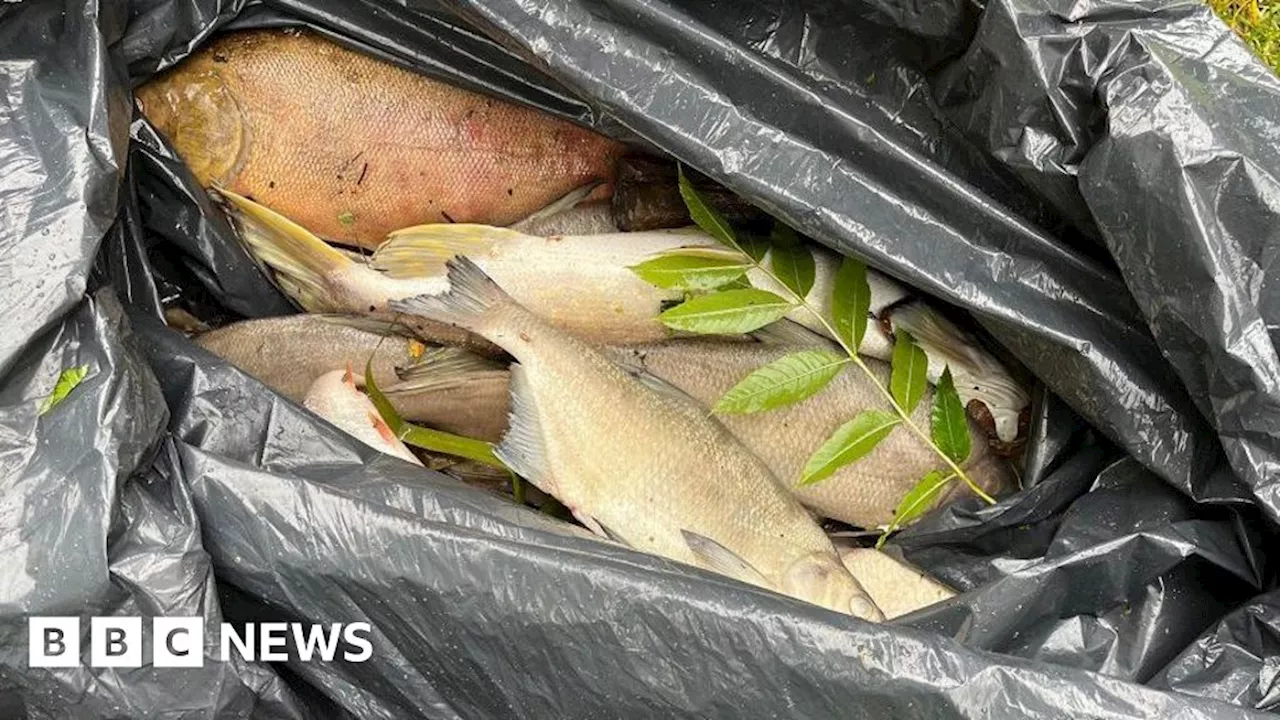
(884, 130)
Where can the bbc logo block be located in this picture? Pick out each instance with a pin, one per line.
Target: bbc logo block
(53, 642)
(179, 642)
(117, 642)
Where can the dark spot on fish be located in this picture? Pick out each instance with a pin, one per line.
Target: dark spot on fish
(373, 308)
(271, 184)
(510, 191)
(363, 170)
(250, 197)
(555, 238)
(885, 324)
(446, 216)
(524, 337)
(219, 56)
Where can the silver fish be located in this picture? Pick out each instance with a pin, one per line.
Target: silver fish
(637, 460)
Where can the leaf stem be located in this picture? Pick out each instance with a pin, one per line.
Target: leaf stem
(888, 396)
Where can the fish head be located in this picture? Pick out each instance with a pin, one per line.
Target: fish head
(820, 578)
(197, 112)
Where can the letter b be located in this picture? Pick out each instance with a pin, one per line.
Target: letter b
(115, 642)
(53, 642)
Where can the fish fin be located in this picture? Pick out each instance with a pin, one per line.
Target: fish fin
(386, 327)
(789, 333)
(718, 558)
(613, 535)
(300, 261)
(657, 384)
(423, 250)
(442, 368)
(471, 295)
(523, 448)
(569, 201)
(596, 527)
(634, 366)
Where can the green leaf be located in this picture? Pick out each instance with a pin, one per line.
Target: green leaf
(849, 442)
(389, 414)
(910, 367)
(517, 489)
(693, 269)
(791, 261)
(67, 381)
(917, 501)
(851, 302)
(950, 425)
(730, 312)
(705, 216)
(426, 438)
(784, 381)
(754, 245)
(439, 441)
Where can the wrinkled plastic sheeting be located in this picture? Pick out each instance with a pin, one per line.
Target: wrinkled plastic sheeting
(63, 107)
(1118, 579)
(1238, 661)
(1098, 103)
(90, 529)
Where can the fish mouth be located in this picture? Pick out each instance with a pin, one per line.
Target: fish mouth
(995, 401)
(981, 415)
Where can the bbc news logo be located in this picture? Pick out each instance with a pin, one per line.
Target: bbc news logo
(177, 642)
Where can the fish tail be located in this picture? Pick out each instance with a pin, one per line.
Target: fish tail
(423, 250)
(302, 263)
(471, 299)
(444, 368)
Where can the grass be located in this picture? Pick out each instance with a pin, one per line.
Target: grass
(1258, 22)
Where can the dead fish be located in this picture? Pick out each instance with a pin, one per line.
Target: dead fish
(335, 397)
(586, 289)
(898, 587)
(864, 493)
(584, 285)
(639, 461)
(290, 353)
(354, 147)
